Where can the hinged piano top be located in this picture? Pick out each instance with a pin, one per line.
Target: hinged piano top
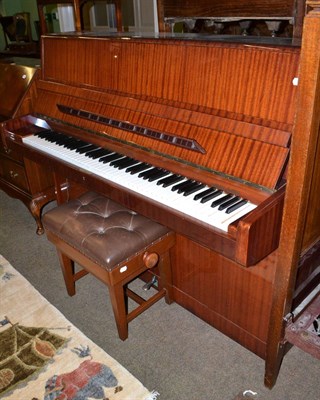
(234, 100)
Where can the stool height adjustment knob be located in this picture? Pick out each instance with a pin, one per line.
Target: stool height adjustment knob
(150, 259)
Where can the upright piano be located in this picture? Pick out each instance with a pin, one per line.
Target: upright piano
(194, 133)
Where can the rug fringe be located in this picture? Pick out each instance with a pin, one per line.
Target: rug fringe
(153, 395)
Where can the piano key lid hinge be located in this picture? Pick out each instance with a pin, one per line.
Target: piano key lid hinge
(189, 144)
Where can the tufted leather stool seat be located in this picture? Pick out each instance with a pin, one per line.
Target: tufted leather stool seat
(114, 244)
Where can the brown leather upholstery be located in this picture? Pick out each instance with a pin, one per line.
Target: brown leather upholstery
(101, 229)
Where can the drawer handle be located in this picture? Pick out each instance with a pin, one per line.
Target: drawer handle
(13, 174)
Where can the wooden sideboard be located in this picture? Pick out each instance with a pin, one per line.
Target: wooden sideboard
(17, 92)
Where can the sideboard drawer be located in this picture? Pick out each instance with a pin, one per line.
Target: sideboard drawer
(11, 153)
(13, 173)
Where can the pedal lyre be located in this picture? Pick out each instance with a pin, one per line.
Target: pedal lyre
(148, 285)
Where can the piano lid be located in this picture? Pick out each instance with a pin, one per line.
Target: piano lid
(222, 107)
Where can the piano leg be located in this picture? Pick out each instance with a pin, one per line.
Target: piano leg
(275, 354)
(36, 204)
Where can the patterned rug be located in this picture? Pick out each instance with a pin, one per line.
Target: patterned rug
(43, 356)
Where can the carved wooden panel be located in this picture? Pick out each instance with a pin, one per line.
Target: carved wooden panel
(228, 8)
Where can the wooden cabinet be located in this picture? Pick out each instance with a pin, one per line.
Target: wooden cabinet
(12, 169)
(15, 174)
(20, 178)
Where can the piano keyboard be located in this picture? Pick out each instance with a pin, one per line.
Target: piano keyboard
(206, 204)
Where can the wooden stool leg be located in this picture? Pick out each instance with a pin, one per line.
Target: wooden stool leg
(166, 276)
(67, 266)
(119, 305)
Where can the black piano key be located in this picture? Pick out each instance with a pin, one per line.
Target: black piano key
(73, 141)
(157, 175)
(138, 168)
(110, 157)
(121, 161)
(107, 152)
(52, 137)
(187, 186)
(91, 149)
(211, 196)
(88, 153)
(204, 193)
(118, 162)
(114, 163)
(228, 203)
(46, 134)
(86, 149)
(234, 207)
(152, 173)
(181, 185)
(221, 200)
(42, 134)
(63, 139)
(127, 163)
(78, 144)
(69, 141)
(98, 153)
(170, 180)
(60, 135)
(57, 138)
(193, 189)
(148, 173)
(73, 144)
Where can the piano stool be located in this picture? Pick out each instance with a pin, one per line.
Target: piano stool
(114, 244)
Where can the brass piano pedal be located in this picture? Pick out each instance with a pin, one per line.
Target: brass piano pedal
(153, 282)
